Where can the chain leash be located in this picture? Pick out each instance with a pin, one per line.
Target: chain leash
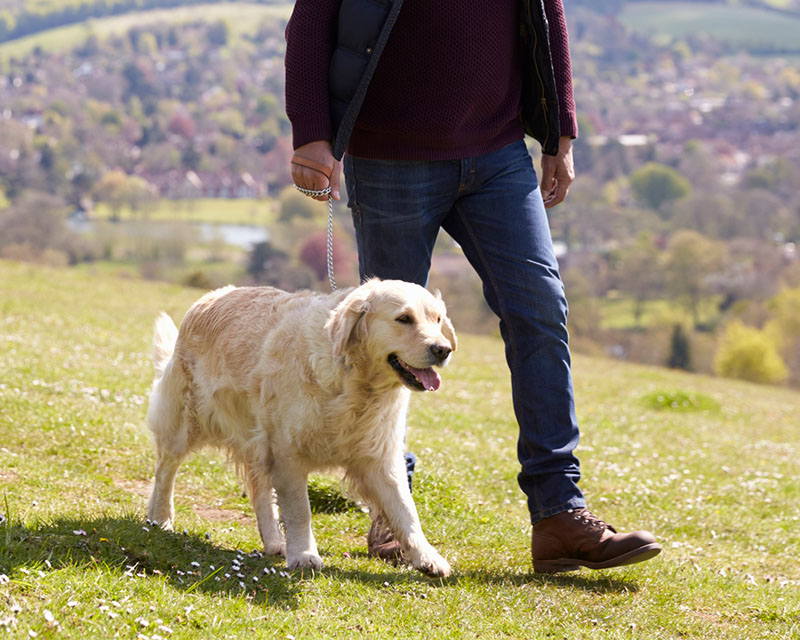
(315, 194)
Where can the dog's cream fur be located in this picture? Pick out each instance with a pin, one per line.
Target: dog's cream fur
(288, 383)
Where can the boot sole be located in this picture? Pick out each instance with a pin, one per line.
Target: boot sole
(559, 565)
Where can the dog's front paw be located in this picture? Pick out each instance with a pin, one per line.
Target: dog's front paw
(305, 560)
(432, 564)
(165, 524)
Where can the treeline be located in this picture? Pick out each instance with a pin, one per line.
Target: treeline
(132, 115)
(33, 16)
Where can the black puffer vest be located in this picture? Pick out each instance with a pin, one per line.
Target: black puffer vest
(362, 31)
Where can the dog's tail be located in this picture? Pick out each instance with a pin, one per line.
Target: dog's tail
(165, 336)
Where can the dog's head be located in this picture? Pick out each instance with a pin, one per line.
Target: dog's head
(394, 329)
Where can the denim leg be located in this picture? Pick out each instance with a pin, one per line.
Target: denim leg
(411, 461)
(398, 208)
(397, 211)
(501, 224)
(492, 206)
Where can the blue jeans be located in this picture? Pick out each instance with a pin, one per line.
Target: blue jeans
(491, 205)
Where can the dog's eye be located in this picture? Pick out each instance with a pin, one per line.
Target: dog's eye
(438, 319)
(404, 319)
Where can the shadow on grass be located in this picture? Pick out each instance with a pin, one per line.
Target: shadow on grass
(594, 581)
(587, 581)
(127, 546)
(190, 562)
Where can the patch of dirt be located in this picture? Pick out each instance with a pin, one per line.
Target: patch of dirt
(137, 487)
(216, 514)
(7, 476)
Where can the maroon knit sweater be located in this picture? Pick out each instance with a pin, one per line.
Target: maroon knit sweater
(447, 86)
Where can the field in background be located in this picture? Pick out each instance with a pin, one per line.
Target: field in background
(243, 18)
(709, 465)
(247, 211)
(753, 29)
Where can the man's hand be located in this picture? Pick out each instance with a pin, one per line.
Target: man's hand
(558, 172)
(319, 151)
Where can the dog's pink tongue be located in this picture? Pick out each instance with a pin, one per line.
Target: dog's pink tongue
(428, 377)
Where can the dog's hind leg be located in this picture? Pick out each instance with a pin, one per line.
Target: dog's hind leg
(161, 507)
(262, 499)
(291, 485)
(387, 491)
(167, 420)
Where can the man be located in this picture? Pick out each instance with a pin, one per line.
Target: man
(431, 101)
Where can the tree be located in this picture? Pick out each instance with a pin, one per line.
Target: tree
(785, 309)
(680, 355)
(690, 259)
(749, 354)
(314, 254)
(271, 266)
(655, 184)
(295, 205)
(585, 315)
(117, 189)
(712, 214)
(138, 77)
(182, 124)
(639, 274)
(219, 33)
(784, 328)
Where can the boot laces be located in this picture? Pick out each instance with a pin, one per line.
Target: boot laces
(587, 518)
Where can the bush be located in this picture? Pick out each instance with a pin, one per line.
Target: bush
(295, 205)
(198, 279)
(749, 354)
(680, 400)
(34, 229)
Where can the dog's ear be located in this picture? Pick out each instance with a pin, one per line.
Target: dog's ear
(449, 332)
(345, 324)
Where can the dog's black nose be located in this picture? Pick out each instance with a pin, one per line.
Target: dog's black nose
(441, 351)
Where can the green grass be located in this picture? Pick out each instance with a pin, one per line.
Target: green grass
(716, 481)
(243, 18)
(250, 211)
(750, 28)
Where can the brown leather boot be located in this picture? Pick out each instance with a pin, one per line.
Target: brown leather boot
(381, 542)
(577, 538)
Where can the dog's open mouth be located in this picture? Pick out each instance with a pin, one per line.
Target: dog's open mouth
(417, 379)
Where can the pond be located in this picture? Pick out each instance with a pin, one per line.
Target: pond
(238, 235)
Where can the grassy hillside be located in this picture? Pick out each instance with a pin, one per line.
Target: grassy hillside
(19, 18)
(242, 17)
(708, 464)
(748, 27)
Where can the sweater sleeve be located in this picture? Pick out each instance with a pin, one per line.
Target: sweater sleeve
(310, 38)
(559, 52)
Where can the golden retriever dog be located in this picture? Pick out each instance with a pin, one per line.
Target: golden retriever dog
(290, 383)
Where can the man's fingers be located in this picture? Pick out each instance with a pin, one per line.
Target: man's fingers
(558, 172)
(557, 195)
(317, 154)
(310, 179)
(548, 180)
(561, 184)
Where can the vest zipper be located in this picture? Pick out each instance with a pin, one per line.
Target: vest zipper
(539, 75)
